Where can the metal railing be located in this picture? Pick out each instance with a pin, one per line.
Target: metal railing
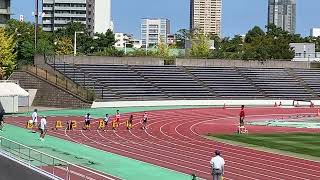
(61, 82)
(50, 164)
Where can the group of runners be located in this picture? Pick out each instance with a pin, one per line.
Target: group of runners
(42, 126)
(115, 123)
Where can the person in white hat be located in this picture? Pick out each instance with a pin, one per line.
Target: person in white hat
(217, 166)
(43, 127)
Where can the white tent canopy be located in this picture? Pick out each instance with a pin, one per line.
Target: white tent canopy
(11, 96)
(8, 89)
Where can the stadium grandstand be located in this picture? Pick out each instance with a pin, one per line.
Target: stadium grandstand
(134, 82)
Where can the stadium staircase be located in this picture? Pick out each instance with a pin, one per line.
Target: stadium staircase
(52, 89)
(302, 82)
(197, 79)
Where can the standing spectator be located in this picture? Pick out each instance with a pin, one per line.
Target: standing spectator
(43, 127)
(242, 115)
(87, 120)
(217, 166)
(106, 120)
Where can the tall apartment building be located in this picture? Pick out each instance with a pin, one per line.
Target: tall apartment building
(315, 32)
(99, 15)
(205, 15)
(154, 31)
(282, 13)
(4, 11)
(95, 14)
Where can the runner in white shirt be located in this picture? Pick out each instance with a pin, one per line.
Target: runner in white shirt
(43, 127)
(217, 166)
(35, 117)
(144, 121)
(106, 120)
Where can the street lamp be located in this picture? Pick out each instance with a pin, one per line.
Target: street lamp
(75, 41)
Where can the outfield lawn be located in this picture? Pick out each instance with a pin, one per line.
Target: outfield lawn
(308, 144)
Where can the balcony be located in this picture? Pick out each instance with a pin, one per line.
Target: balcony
(5, 11)
(70, 15)
(69, 8)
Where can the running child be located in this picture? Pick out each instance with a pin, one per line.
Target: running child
(130, 122)
(144, 121)
(106, 120)
(87, 121)
(117, 120)
(43, 127)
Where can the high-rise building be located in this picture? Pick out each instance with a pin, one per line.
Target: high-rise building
(282, 13)
(99, 15)
(205, 15)
(4, 11)
(154, 31)
(95, 14)
(315, 32)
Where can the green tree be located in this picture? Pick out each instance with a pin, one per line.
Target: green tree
(163, 51)
(255, 32)
(104, 41)
(7, 54)
(64, 46)
(23, 33)
(200, 45)
(181, 36)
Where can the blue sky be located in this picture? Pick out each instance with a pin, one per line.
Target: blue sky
(238, 15)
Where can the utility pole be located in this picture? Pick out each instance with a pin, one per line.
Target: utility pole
(36, 15)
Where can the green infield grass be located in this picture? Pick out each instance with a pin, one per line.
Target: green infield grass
(306, 144)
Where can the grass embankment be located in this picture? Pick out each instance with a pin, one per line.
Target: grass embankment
(307, 144)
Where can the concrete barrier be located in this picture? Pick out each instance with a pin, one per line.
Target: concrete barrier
(241, 63)
(217, 103)
(96, 60)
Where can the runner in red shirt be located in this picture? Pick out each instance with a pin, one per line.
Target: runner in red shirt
(242, 115)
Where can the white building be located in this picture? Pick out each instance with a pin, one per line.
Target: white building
(305, 52)
(123, 39)
(154, 31)
(95, 14)
(315, 32)
(136, 43)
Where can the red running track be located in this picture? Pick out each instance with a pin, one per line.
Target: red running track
(174, 140)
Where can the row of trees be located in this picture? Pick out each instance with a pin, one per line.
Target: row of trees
(255, 45)
(59, 42)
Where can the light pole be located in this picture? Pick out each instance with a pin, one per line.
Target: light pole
(75, 42)
(125, 47)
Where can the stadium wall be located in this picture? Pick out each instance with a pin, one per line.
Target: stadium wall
(241, 63)
(219, 103)
(40, 61)
(96, 60)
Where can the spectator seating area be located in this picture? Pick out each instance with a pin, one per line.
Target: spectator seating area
(131, 82)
